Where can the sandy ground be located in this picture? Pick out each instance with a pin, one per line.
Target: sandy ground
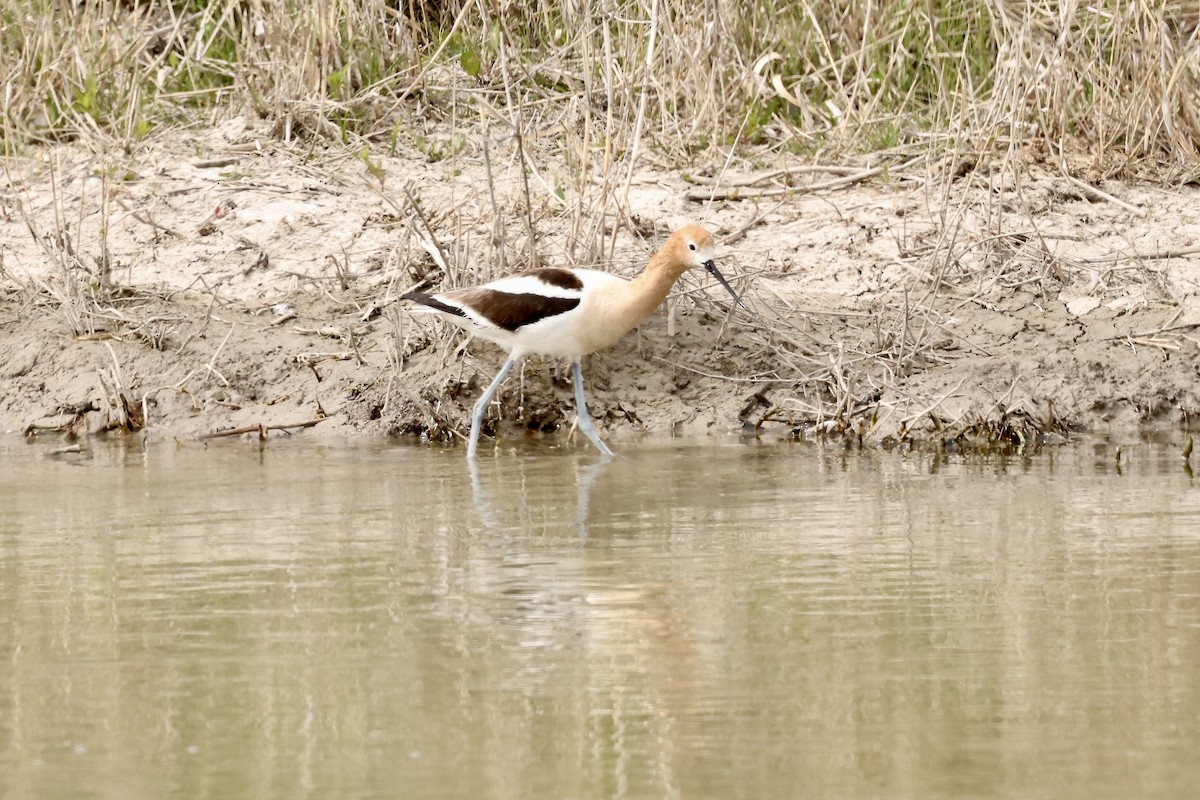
(253, 284)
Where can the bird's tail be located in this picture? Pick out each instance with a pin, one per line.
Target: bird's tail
(432, 302)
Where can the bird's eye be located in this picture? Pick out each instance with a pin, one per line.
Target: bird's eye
(691, 245)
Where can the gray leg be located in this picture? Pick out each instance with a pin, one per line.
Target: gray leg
(482, 403)
(586, 480)
(483, 500)
(585, 422)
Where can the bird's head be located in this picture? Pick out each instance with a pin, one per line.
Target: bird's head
(693, 247)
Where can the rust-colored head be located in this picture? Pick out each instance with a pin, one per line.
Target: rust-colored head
(690, 247)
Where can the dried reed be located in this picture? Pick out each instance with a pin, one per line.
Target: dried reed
(621, 76)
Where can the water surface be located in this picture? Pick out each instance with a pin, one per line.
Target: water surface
(685, 620)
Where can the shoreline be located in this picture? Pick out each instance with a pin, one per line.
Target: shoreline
(266, 294)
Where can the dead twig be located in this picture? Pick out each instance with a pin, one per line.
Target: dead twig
(837, 183)
(142, 217)
(1156, 255)
(750, 180)
(755, 219)
(1103, 195)
(262, 430)
(211, 364)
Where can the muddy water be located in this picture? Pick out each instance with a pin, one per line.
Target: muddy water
(686, 620)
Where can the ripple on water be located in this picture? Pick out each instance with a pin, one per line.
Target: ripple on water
(703, 619)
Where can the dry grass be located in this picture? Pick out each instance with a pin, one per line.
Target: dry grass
(614, 80)
(577, 95)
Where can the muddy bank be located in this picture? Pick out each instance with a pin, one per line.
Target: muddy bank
(216, 281)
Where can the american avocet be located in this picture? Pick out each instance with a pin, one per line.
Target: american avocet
(568, 313)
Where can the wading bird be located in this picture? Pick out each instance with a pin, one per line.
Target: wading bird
(567, 313)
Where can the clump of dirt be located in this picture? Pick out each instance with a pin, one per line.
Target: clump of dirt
(218, 282)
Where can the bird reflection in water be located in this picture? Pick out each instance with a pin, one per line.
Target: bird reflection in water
(492, 502)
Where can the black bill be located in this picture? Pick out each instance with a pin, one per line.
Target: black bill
(711, 266)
